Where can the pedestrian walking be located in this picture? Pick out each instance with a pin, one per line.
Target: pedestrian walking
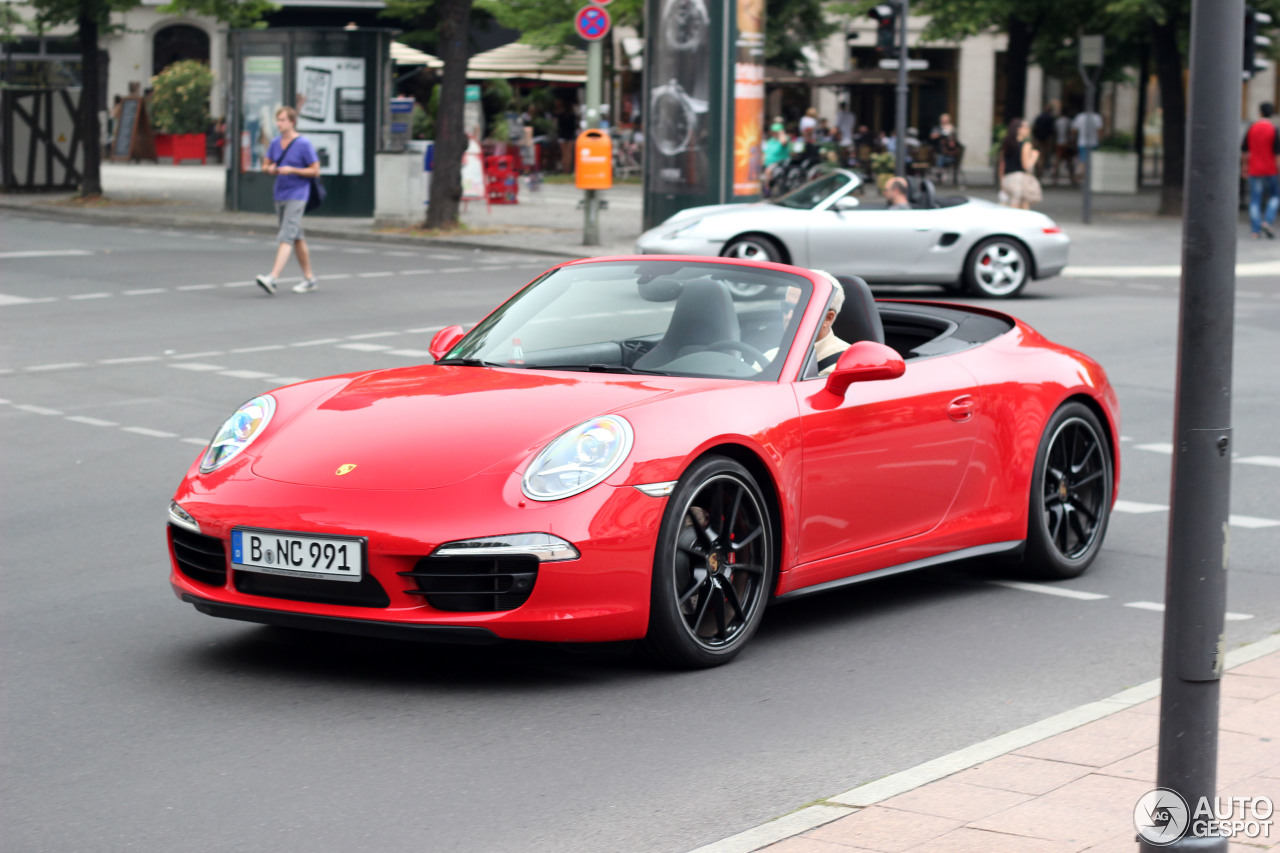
(1088, 128)
(292, 159)
(1063, 151)
(1042, 136)
(1261, 149)
(1016, 166)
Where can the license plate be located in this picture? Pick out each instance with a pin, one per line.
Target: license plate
(300, 555)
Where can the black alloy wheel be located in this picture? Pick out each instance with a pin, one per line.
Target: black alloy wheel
(1071, 491)
(713, 568)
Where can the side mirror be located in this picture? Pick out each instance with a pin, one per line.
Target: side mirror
(865, 361)
(444, 341)
(846, 203)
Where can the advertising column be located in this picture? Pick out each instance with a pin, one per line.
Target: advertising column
(704, 104)
(331, 111)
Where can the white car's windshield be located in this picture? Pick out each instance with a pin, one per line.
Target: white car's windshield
(668, 317)
(817, 191)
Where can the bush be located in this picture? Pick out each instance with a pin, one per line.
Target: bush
(1117, 141)
(180, 98)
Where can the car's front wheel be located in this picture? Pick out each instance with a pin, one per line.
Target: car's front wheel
(997, 268)
(713, 567)
(1071, 491)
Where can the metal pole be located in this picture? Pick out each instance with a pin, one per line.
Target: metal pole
(591, 205)
(1196, 584)
(1090, 97)
(900, 122)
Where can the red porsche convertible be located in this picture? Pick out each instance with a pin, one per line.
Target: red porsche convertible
(629, 449)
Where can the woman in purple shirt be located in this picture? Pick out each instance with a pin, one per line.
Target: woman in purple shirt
(292, 159)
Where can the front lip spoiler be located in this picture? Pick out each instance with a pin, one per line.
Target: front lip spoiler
(456, 634)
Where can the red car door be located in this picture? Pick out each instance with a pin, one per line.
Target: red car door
(886, 463)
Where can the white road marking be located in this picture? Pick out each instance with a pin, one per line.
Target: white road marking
(36, 410)
(416, 272)
(6, 299)
(1156, 447)
(374, 274)
(401, 254)
(444, 257)
(197, 354)
(199, 442)
(133, 359)
(1046, 589)
(246, 374)
(428, 330)
(1255, 269)
(1158, 607)
(195, 365)
(64, 366)
(144, 291)
(45, 253)
(317, 342)
(1249, 522)
(266, 348)
(197, 287)
(332, 276)
(154, 433)
(411, 353)
(239, 284)
(85, 419)
(459, 269)
(358, 251)
(364, 347)
(90, 295)
(368, 335)
(1135, 507)
(1269, 461)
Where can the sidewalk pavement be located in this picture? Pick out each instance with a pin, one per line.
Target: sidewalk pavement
(1068, 784)
(547, 221)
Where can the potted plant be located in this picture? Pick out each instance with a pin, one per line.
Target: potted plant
(179, 109)
(882, 167)
(1114, 165)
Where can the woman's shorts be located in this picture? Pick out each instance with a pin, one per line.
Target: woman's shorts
(289, 215)
(1022, 187)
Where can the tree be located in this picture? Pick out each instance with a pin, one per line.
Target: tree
(451, 19)
(793, 25)
(549, 23)
(91, 17)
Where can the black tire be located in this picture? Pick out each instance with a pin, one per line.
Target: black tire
(754, 247)
(997, 268)
(1071, 490)
(713, 570)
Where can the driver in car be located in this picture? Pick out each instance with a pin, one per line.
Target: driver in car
(827, 348)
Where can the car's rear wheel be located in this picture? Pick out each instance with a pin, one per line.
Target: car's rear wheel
(713, 567)
(997, 268)
(1071, 491)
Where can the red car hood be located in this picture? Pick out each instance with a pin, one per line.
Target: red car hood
(428, 427)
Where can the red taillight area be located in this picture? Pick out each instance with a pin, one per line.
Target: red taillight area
(1052, 230)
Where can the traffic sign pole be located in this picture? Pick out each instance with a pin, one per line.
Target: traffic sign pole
(592, 23)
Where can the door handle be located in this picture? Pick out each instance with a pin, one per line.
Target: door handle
(961, 409)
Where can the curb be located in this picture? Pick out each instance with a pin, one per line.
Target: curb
(870, 793)
(213, 224)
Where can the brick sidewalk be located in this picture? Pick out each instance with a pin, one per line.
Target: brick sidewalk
(1073, 791)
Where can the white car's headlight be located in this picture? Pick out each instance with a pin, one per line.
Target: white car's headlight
(578, 459)
(238, 432)
(683, 227)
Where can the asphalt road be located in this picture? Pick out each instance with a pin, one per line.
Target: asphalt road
(131, 722)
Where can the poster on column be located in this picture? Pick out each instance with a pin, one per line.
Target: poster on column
(748, 99)
(331, 111)
(262, 93)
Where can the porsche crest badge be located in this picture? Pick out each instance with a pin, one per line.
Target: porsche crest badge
(345, 469)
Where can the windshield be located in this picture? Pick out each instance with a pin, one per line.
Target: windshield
(666, 317)
(816, 191)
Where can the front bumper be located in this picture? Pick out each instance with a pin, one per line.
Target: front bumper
(603, 596)
(653, 242)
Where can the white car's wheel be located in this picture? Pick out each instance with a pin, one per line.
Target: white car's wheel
(998, 268)
(754, 247)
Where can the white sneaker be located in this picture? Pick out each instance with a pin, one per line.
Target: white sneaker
(267, 283)
(307, 285)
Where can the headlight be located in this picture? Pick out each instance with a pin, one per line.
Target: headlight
(578, 459)
(683, 228)
(238, 432)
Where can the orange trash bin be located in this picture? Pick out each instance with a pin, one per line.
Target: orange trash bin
(594, 156)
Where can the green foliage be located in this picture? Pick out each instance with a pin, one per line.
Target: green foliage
(180, 97)
(882, 163)
(1116, 141)
(424, 121)
(239, 14)
(793, 25)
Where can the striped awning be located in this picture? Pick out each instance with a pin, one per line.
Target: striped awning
(402, 54)
(527, 62)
